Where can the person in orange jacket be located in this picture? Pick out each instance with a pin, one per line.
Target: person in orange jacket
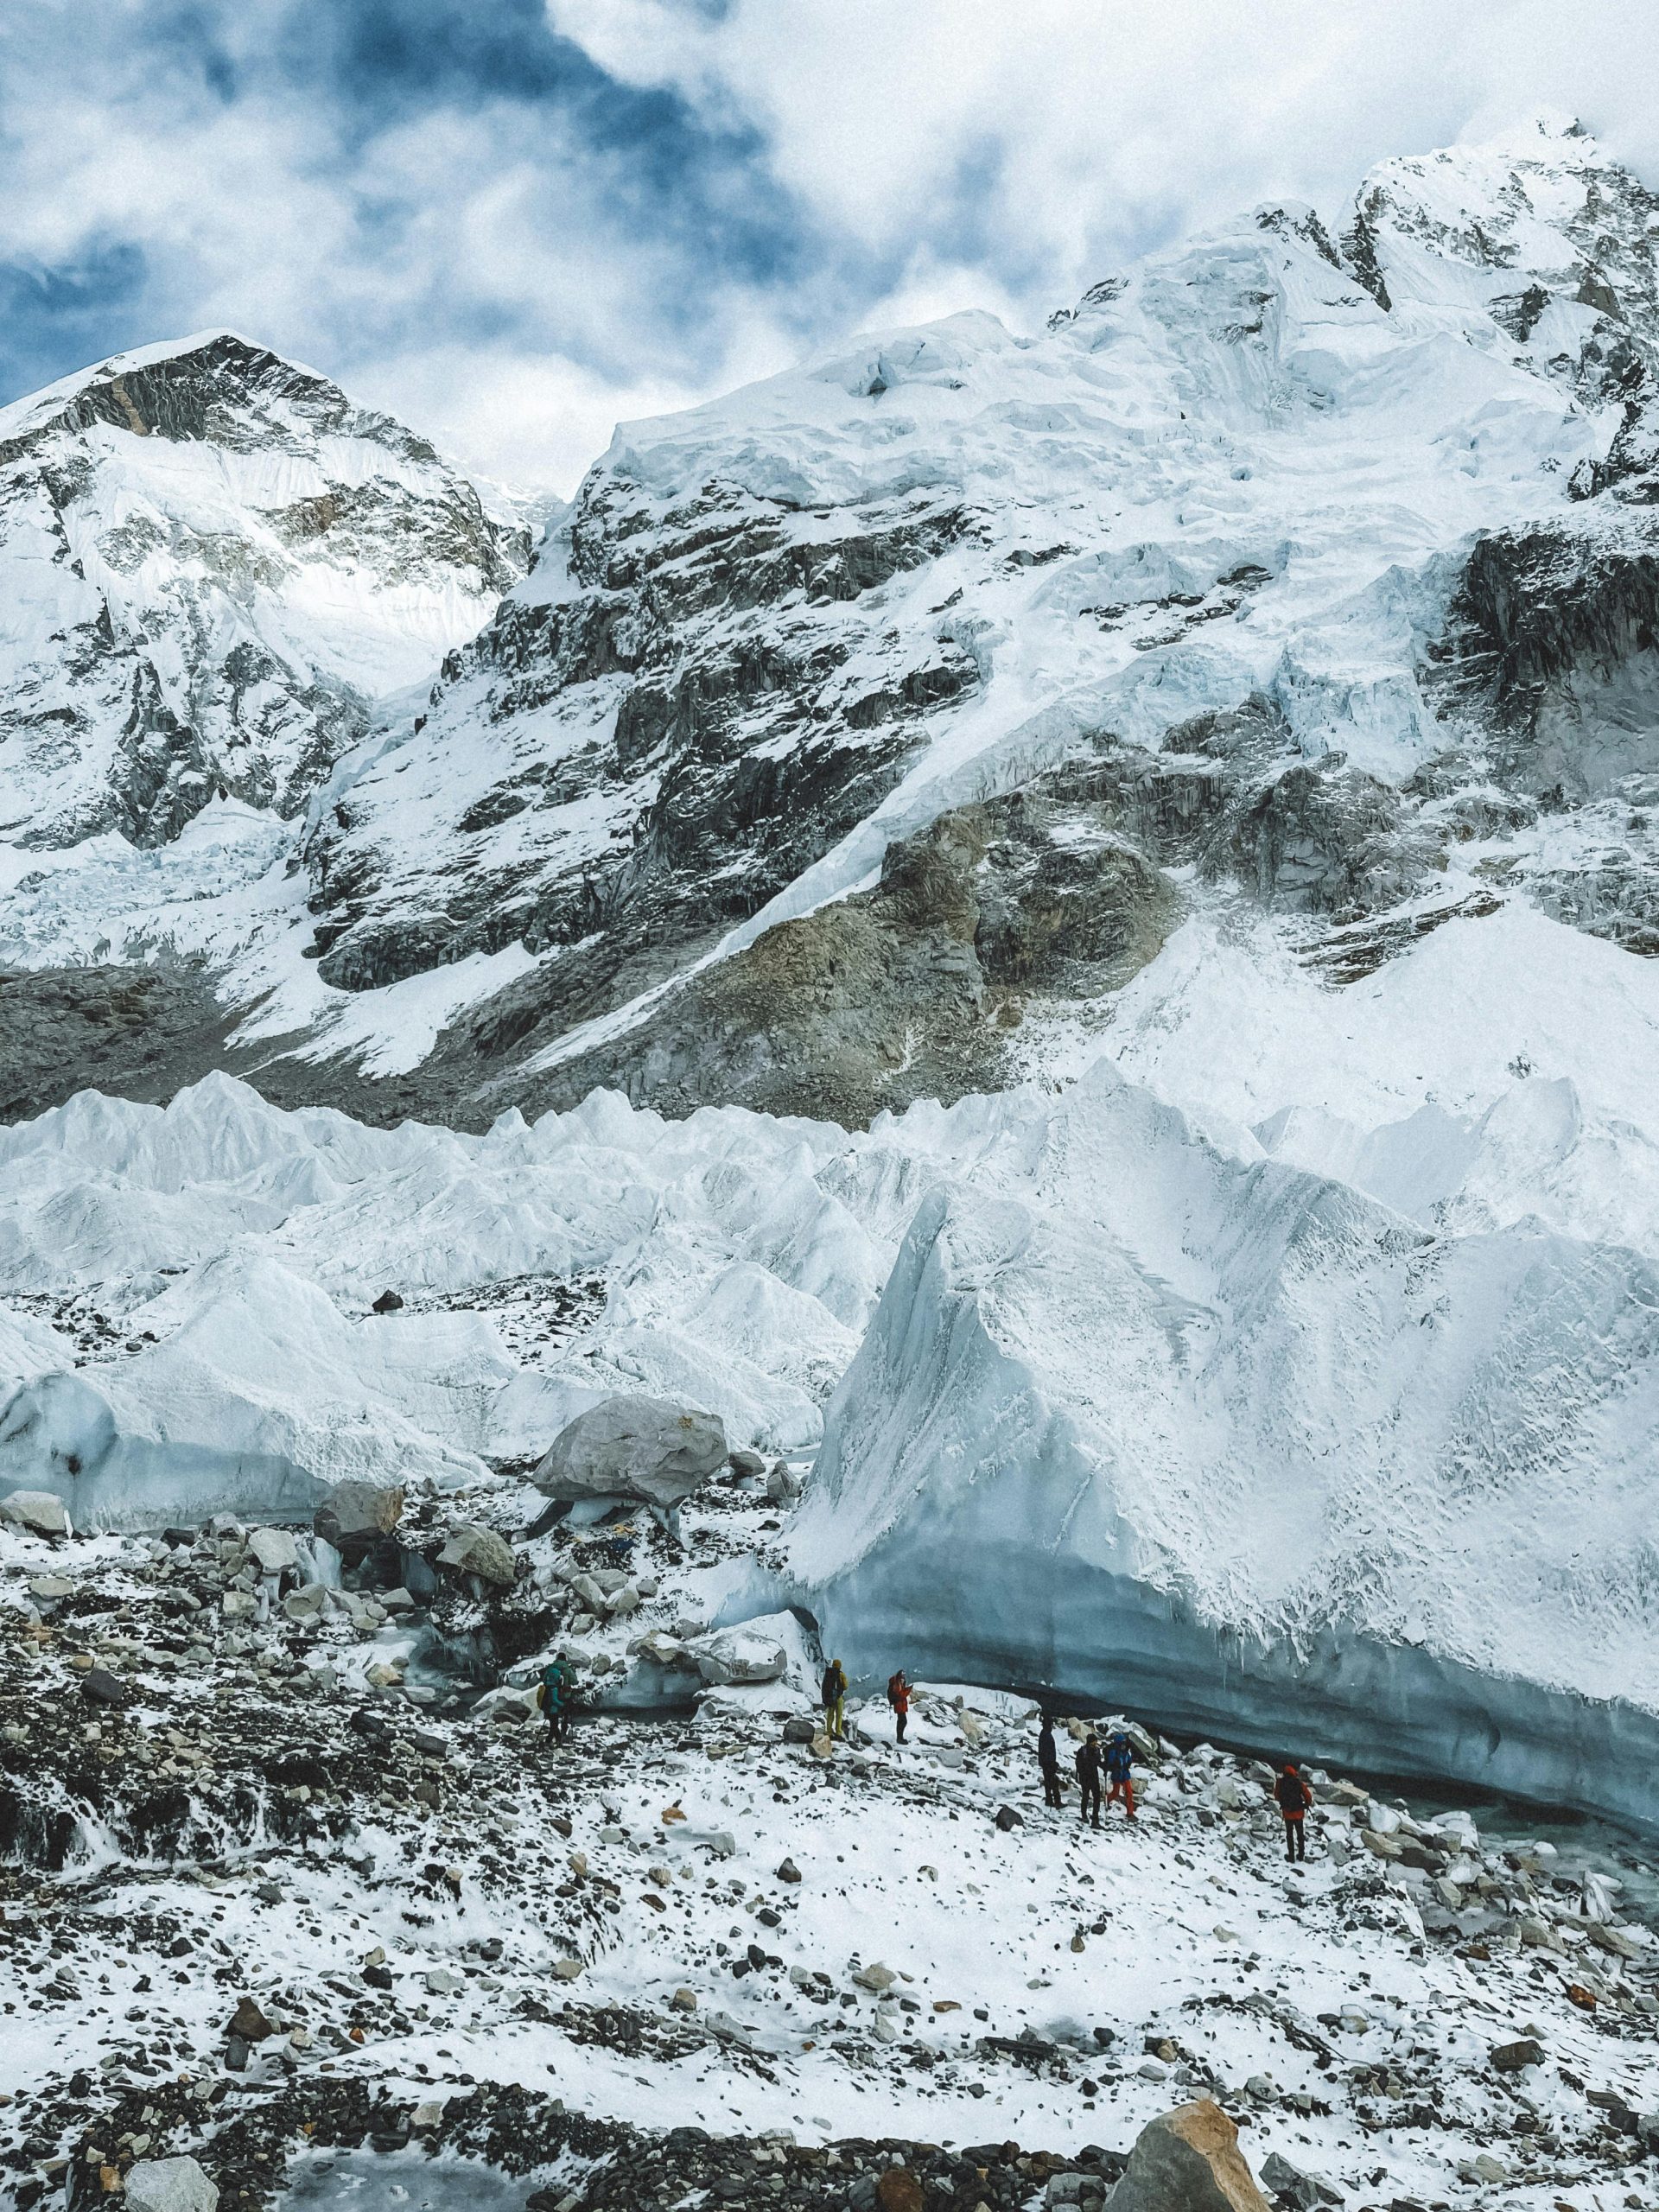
(899, 1699)
(1294, 1797)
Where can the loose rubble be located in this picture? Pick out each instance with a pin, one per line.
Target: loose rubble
(301, 1872)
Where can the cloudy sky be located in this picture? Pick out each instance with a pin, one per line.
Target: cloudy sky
(515, 221)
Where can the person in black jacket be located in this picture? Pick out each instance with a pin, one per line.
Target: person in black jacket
(1294, 1797)
(1089, 1772)
(1048, 1760)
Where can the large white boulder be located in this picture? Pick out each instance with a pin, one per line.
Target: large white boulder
(42, 1510)
(740, 1654)
(170, 2185)
(634, 1446)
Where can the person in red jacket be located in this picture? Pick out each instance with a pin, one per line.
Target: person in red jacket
(899, 1699)
(1294, 1797)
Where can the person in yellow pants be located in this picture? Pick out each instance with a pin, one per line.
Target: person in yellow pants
(834, 1693)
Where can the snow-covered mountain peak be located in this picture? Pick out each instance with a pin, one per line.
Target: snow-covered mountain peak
(1539, 229)
(215, 560)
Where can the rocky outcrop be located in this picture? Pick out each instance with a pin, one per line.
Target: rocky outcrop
(915, 989)
(1553, 642)
(731, 735)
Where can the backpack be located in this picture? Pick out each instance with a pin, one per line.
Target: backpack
(1120, 1758)
(896, 1691)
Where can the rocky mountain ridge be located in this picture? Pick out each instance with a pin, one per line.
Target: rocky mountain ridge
(216, 562)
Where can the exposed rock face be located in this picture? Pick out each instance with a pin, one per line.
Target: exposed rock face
(1188, 2160)
(910, 990)
(182, 633)
(634, 1446)
(720, 725)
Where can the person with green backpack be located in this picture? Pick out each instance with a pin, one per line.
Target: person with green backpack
(554, 1697)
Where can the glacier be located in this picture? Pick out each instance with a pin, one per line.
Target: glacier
(1099, 1403)
(1149, 1425)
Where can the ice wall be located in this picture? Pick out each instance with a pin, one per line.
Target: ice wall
(1154, 1425)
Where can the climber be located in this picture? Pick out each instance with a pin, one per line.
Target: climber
(1294, 1797)
(1048, 1760)
(1087, 1766)
(899, 1699)
(834, 1691)
(550, 1696)
(1120, 1763)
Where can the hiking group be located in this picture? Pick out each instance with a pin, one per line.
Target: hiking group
(1110, 1763)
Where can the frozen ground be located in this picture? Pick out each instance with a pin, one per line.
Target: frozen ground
(693, 1923)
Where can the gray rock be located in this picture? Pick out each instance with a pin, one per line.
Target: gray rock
(480, 1551)
(747, 1466)
(1188, 2160)
(170, 2185)
(783, 1483)
(634, 1446)
(358, 1508)
(274, 1550)
(1290, 2185)
(39, 1509)
(1512, 2057)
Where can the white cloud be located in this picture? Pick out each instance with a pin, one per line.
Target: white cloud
(515, 281)
(1060, 136)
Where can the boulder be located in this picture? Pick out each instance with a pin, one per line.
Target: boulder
(634, 1446)
(1291, 2186)
(358, 1510)
(273, 1550)
(170, 2185)
(1514, 2057)
(388, 1302)
(1188, 2160)
(747, 1466)
(249, 2021)
(46, 1514)
(783, 1483)
(477, 1550)
(735, 1654)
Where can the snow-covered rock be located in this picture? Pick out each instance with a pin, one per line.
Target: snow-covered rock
(170, 2185)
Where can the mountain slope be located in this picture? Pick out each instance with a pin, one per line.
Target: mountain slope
(1294, 567)
(212, 562)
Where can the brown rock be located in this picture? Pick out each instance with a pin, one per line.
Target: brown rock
(1510, 2057)
(1188, 2160)
(898, 2190)
(250, 2022)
